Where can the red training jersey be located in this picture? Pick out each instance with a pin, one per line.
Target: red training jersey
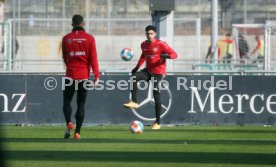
(259, 44)
(151, 53)
(230, 41)
(80, 54)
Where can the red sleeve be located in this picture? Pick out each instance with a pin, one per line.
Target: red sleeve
(259, 44)
(167, 49)
(142, 59)
(94, 59)
(228, 41)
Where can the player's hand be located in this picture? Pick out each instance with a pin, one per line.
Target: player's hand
(134, 70)
(165, 55)
(96, 81)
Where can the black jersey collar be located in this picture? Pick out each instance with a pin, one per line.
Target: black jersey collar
(78, 29)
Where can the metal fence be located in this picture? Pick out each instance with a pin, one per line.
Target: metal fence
(40, 41)
(39, 26)
(230, 11)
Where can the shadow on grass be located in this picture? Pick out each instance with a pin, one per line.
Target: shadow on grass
(218, 130)
(150, 157)
(183, 130)
(139, 141)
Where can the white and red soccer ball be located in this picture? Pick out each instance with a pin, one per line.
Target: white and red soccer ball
(127, 54)
(136, 127)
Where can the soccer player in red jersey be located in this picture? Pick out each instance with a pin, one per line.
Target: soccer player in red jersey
(154, 53)
(229, 48)
(260, 48)
(79, 55)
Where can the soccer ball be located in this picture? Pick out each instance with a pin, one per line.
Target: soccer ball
(136, 127)
(127, 54)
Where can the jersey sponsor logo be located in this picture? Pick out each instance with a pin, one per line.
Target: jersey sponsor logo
(155, 49)
(79, 40)
(81, 53)
(78, 53)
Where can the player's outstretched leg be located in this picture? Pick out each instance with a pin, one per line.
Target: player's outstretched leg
(133, 103)
(138, 76)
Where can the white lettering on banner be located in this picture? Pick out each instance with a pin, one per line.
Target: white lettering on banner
(15, 108)
(221, 102)
(269, 103)
(227, 99)
(20, 101)
(240, 97)
(202, 105)
(5, 102)
(252, 102)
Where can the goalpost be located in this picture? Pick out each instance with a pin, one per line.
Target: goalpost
(248, 37)
(6, 46)
(270, 40)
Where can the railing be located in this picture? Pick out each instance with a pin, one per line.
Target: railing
(179, 66)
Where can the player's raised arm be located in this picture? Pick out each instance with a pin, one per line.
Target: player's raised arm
(168, 51)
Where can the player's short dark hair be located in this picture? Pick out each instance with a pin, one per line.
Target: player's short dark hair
(77, 19)
(150, 27)
(228, 34)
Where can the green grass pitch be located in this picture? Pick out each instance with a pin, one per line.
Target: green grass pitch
(115, 146)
